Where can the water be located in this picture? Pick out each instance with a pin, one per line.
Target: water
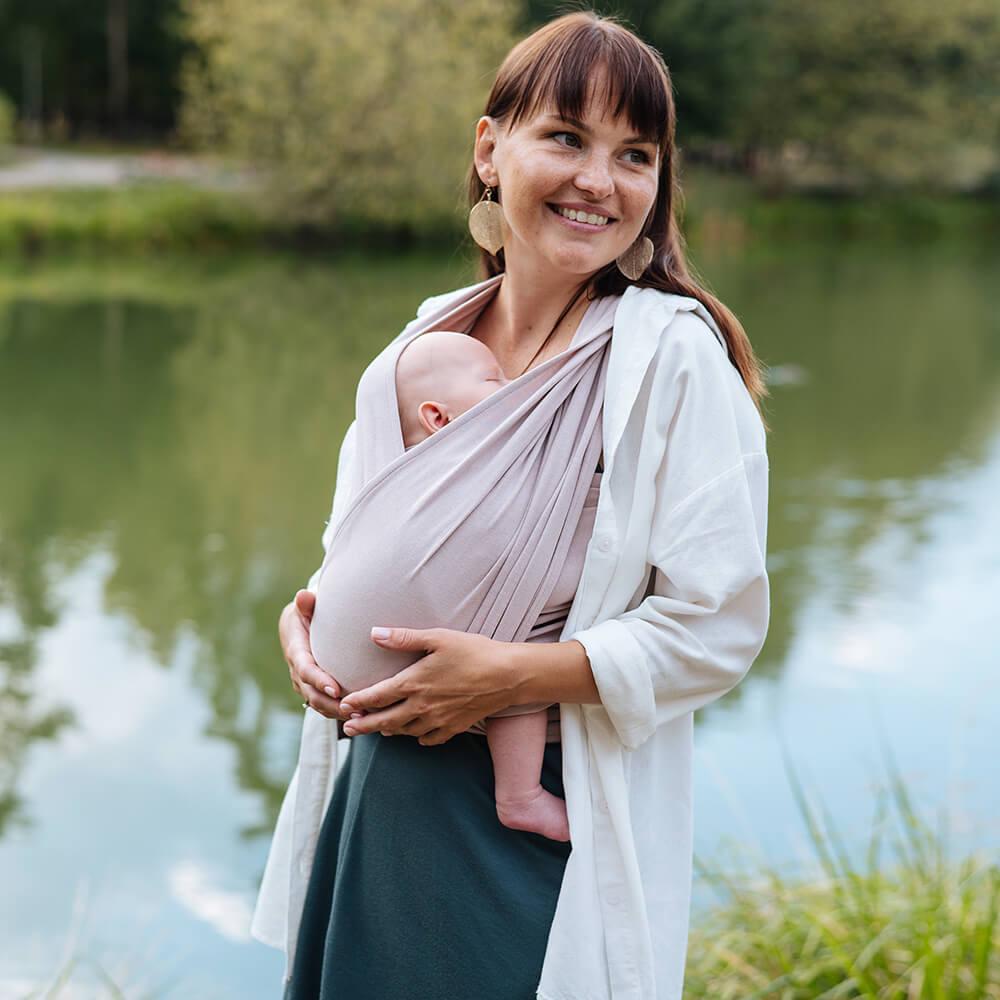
(169, 432)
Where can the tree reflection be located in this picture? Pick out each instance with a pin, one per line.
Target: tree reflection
(899, 346)
(190, 427)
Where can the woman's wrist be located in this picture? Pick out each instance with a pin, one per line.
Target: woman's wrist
(551, 672)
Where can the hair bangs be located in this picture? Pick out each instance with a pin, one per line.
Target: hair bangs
(572, 66)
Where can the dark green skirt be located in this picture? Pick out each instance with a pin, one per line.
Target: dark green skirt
(418, 891)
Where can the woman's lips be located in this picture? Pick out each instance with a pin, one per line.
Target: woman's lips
(584, 227)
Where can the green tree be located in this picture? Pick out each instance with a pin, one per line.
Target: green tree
(351, 110)
(894, 93)
(856, 94)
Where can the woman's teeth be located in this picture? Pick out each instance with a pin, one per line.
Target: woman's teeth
(572, 213)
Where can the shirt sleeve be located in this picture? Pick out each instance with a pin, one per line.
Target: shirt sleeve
(697, 633)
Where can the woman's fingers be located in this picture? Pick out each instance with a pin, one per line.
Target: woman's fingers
(386, 722)
(416, 727)
(298, 654)
(316, 687)
(434, 738)
(319, 702)
(307, 671)
(381, 694)
(305, 604)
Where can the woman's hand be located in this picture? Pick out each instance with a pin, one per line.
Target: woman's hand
(317, 688)
(464, 678)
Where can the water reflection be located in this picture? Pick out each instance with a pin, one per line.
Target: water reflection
(194, 442)
(169, 439)
(898, 357)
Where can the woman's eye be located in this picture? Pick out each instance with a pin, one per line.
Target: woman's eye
(643, 156)
(571, 135)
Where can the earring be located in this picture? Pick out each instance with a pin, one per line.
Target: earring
(486, 223)
(636, 258)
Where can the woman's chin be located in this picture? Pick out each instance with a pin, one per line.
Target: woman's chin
(580, 264)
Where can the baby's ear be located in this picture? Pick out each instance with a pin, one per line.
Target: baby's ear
(433, 415)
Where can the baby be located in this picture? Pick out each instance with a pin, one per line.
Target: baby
(440, 375)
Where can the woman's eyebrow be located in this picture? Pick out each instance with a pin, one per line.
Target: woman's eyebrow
(631, 140)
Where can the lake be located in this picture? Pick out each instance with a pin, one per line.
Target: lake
(169, 435)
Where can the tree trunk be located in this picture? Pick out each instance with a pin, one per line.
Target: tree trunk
(117, 32)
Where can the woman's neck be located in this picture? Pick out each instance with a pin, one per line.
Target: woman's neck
(524, 311)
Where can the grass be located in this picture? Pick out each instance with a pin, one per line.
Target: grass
(925, 928)
(169, 216)
(148, 217)
(156, 216)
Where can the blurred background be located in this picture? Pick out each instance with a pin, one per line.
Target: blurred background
(213, 214)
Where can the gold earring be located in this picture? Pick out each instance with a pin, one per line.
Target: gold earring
(486, 223)
(634, 261)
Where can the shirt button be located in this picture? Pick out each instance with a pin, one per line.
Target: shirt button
(602, 804)
(604, 543)
(614, 897)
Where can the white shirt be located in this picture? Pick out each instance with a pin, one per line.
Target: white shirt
(684, 498)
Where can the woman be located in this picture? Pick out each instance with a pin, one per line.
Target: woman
(397, 880)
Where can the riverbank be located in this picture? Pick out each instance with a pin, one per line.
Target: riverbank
(151, 217)
(922, 925)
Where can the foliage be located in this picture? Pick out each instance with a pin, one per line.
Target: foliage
(927, 927)
(363, 108)
(8, 117)
(893, 93)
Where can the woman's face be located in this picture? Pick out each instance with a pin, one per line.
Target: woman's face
(547, 166)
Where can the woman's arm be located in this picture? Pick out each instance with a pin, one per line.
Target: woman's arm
(550, 671)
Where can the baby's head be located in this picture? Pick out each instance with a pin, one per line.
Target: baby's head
(440, 375)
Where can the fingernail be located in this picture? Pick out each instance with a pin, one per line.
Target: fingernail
(346, 706)
(355, 715)
(330, 691)
(349, 729)
(381, 633)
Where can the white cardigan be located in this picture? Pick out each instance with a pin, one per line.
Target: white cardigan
(683, 507)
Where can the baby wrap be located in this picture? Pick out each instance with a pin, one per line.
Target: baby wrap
(469, 528)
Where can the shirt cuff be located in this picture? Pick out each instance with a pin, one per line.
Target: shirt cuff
(622, 679)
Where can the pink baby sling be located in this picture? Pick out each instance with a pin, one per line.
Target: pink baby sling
(469, 528)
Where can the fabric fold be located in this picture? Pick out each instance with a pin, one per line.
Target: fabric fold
(468, 529)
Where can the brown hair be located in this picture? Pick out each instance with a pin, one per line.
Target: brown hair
(557, 63)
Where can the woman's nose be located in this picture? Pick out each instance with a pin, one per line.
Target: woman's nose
(596, 178)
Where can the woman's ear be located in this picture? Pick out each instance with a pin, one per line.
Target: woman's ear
(485, 146)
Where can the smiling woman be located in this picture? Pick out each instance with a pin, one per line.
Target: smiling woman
(580, 122)
(621, 367)
(570, 199)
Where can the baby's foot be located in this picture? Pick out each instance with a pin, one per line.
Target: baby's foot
(538, 812)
